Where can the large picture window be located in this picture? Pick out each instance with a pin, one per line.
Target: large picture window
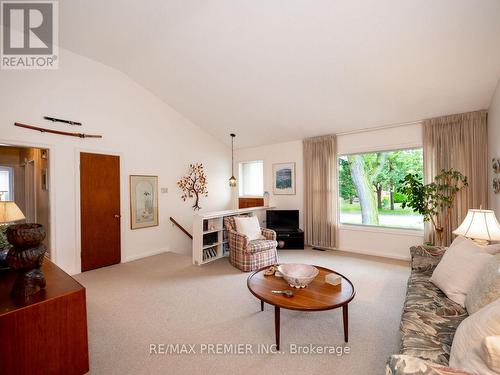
(368, 188)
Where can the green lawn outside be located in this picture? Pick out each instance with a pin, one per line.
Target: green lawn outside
(355, 208)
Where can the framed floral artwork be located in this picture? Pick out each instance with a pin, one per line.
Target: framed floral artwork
(143, 201)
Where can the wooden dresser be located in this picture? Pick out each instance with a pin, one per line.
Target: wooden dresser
(48, 334)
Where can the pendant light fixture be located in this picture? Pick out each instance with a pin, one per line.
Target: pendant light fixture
(232, 180)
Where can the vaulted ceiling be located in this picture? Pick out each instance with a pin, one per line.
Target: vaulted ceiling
(279, 70)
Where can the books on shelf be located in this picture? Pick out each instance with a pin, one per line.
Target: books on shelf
(209, 253)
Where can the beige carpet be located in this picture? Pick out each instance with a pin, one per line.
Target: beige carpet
(164, 299)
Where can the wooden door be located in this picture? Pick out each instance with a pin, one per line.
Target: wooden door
(99, 210)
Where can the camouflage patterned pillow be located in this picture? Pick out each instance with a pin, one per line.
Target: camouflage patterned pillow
(426, 258)
(408, 365)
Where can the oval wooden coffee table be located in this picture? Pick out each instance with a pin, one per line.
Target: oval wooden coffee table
(317, 296)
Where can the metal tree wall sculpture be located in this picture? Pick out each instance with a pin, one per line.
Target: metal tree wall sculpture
(194, 184)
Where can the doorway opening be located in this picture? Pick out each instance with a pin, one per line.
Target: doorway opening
(24, 179)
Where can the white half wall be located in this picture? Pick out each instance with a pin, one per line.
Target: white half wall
(392, 243)
(149, 136)
(494, 145)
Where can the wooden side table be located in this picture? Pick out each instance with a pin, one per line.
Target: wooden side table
(317, 296)
(47, 334)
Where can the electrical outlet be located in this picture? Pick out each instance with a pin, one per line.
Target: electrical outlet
(164, 190)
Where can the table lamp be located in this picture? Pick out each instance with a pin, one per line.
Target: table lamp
(9, 213)
(481, 226)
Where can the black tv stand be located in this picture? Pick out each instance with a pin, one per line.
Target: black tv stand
(290, 238)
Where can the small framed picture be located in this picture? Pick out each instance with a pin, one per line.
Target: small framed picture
(44, 179)
(496, 185)
(143, 201)
(284, 179)
(495, 163)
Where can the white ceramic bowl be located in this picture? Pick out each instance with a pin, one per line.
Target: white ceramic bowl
(298, 275)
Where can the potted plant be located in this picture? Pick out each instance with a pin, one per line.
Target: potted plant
(4, 246)
(434, 201)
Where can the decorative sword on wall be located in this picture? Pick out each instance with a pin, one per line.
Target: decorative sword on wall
(44, 130)
(69, 122)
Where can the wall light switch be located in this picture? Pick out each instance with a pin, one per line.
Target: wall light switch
(164, 190)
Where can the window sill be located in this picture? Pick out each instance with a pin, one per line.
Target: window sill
(385, 230)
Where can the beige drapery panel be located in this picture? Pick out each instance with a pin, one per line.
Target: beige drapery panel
(459, 142)
(320, 188)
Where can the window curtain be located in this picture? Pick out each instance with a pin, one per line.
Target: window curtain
(320, 188)
(459, 142)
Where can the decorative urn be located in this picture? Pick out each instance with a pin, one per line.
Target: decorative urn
(26, 257)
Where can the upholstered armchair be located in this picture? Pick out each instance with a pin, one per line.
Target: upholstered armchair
(249, 255)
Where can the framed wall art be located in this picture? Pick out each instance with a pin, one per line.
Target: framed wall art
(143, 201)
(284, 179)
(495, 164)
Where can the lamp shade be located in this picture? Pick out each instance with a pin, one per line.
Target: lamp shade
(9, 212)
(232, 181)
(480, 225)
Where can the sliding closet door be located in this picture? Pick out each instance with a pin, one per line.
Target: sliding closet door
(100, 210)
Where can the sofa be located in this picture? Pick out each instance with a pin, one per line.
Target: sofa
(429, 321)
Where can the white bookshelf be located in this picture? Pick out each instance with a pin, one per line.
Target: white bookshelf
(210, 240)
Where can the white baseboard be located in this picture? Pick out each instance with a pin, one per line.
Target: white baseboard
(376, 254)
(144, 255)
(71, 272)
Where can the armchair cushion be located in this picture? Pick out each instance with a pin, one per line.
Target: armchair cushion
(241, 242)
(260, 245)
(269, 234)
(237, 240)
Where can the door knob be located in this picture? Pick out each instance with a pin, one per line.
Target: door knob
(117, 216)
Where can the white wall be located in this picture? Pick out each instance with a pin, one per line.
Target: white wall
(272, 154)
(494, 144)
(392, 243)
(390, 138)
(149, 136)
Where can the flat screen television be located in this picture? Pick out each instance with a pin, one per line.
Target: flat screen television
(282, 219)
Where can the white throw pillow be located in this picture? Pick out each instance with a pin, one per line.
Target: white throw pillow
(491, 249)
(491, 352)
(459, 268)
(457, 241)
(249, 226)
(486, 288)
(467, 351)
